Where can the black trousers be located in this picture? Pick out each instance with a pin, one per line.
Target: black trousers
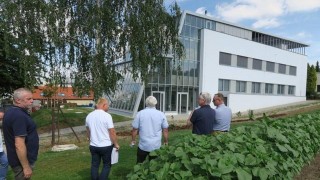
(142, 156)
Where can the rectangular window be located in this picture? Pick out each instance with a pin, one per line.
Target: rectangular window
(282, 69)
(281, 89)
(291, 90)
(318, 88)
(270, 66)
(225, 59)
(224, 84)
(293, 70)
(255, 87)
(257, 64)
(242, 61)
(241, 86)
(269, 89)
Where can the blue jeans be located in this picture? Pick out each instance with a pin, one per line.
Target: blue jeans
(98, 153)
(3, 166)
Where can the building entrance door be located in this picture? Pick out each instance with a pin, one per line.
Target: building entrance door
(160, 96)
(182, 102)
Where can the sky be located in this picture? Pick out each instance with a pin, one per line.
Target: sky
(293, 19)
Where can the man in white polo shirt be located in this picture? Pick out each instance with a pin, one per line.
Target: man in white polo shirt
(102, 137)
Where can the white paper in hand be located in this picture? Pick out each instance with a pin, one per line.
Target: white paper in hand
(114, 156)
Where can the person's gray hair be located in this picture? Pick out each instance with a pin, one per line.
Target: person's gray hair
(18, 93)
(151, 101)
(206, 96)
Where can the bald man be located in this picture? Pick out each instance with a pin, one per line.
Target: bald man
(103, 139)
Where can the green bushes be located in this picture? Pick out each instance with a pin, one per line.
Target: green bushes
(270, 149)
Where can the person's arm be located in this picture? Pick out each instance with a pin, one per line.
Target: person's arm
(113, 137)
(165, 132)
(189, 119)
(134, 133)
(135, 129)
(88, 133)
(21, 150)
(193, 117)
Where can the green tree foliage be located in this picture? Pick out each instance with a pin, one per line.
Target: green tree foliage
(311, 80)
(10, 69)
(317, 67)
(83, 40)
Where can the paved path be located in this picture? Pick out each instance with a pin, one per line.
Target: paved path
(79, 129)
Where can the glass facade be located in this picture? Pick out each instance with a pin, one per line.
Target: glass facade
(176, 82)
(125, 97)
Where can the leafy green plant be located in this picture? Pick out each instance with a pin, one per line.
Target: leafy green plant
(251, 114)
(266, 150)
(239, 114)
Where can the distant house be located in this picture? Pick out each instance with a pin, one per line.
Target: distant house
(63, 95)
(318, 82)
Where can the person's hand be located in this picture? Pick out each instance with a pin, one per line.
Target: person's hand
(27, 172)
(117, 147)
(165, 143)
(133, 143)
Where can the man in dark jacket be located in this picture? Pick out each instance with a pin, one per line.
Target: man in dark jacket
(203, 118)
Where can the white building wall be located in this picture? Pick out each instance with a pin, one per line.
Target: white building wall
(212, 43)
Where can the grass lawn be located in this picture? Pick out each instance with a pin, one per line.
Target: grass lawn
(74, 116)
(75, 164)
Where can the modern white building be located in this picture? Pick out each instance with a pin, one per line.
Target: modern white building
(252, 69)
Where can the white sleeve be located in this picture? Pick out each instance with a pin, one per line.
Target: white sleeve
(109, 121)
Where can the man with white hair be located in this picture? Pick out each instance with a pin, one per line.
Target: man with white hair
(150, 123)
(203, 118)
(20, 134)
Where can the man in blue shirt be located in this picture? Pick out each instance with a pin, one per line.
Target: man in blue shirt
(20, 134)
(223, 114)
(202, 119)
(150, 123)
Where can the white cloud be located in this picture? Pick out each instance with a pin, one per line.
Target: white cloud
(266, 23)
(202, 10)
(250, 9)
(264, 12)
(302, 5)
(303, 35)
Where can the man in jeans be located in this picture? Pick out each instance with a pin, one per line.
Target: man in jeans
(102, 137)
(3, 156)
(150, 123)
(20, 134)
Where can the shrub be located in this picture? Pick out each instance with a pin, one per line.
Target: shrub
(268, 149)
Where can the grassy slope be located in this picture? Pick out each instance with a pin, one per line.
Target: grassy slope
(43, 116)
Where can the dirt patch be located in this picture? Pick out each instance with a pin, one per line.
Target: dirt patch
(310, 172)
